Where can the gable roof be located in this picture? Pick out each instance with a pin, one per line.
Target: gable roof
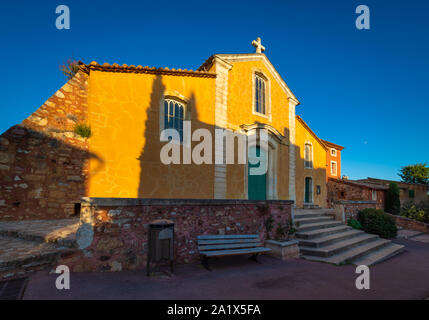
(139, 69)
(332, 145)
(311, 132)
(231, 58)
(361, 184)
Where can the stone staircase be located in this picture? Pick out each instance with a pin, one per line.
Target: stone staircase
(322, 238)
(29, 246)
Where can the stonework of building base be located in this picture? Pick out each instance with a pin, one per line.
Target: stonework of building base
(113, 233)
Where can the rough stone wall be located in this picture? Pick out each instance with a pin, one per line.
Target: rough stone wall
(341, 190)
(350, 208)
(43, 165)
(410, 224)
(114, 232)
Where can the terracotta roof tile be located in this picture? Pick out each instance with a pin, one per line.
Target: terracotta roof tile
(139, 69)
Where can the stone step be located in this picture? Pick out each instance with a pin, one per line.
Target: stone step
(19, 257)
(338, 247)
(312, 234)
(310, 215)
(319, 225)
(59, 232)
(314, 211)
(306, 221)
(352, 254)
(381, 255)
(329, 239)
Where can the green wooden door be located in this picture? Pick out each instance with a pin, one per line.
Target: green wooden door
(257, 184)
(308, 196)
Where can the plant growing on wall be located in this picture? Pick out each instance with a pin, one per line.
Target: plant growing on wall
(70, 68)
(285, 231)
(83, 130)
(269, 226)
(393, 204)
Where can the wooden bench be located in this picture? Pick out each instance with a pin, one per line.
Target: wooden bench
(229, 245)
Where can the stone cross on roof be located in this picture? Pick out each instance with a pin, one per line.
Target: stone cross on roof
(258, 45)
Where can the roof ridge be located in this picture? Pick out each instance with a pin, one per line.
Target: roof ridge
(140, 69)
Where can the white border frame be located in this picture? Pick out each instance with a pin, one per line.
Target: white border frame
(312, 155)
(261, 74)
(336, 168)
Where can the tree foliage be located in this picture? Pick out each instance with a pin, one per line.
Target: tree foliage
(417, 173)
(393, 203)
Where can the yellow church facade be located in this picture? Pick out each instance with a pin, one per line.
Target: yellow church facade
(129, 106)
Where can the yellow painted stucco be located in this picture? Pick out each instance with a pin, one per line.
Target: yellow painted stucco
(240, 111)
(317, 173)
(124, 114)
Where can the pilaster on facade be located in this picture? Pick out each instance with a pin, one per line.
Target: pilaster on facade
(221, 120)
(292, 148)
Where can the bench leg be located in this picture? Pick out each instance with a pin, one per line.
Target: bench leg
(205, 263)
(254, 257)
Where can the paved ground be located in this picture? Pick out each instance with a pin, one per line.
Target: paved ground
(407, 234)
(42, 230)
(403, 277)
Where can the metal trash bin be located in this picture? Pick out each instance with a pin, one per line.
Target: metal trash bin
(161, 243)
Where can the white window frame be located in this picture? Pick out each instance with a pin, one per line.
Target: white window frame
(260, 74)
(374, 195)
(176, 98)
(333, 152)
(336, 168)
(311, 155)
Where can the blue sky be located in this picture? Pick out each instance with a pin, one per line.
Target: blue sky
(363, 89)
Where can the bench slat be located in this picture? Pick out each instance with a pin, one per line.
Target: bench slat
(229, 246)
(234, 252)
(224, 241)
(228, 236)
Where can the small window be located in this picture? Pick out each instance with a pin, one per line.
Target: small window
(308, 156)
(260, 95)
(342, 195)
(374, 195)
(333, 152)
(173, 116)
(318, 189)
(333, 168)
(411, 193)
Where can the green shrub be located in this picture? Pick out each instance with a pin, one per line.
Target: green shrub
(377, 222)
(419, 212)
(83, 130)
(354, 224)
(393, 204)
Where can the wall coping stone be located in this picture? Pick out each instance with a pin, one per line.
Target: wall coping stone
(408, 219)
(283, 243)
(355, 201)
(124, 202)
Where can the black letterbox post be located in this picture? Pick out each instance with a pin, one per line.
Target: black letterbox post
(161, 243)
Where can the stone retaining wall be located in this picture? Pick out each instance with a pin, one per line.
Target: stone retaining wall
(348, 209)
(113, 232)
(43, 163)
(410, 224)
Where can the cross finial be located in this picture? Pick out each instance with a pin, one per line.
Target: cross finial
(258, 45)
